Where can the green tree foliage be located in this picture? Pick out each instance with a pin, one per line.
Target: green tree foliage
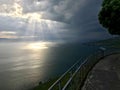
(109, 16)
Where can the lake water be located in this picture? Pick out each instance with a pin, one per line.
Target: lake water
(23, 65)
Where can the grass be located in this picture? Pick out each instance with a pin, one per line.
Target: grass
(45, 85)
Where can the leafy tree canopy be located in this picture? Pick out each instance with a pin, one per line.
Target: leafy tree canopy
(109, 16)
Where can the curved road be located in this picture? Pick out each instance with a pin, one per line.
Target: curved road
(105, 75)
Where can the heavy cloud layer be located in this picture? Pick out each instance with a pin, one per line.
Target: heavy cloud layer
(69, 20)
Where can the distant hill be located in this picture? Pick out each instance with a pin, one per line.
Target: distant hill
(9, 40)
(112, 42)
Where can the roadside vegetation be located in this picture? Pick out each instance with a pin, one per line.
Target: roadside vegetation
(45, 85)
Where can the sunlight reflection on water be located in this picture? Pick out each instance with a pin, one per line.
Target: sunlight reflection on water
(37, 46)
(24, 64)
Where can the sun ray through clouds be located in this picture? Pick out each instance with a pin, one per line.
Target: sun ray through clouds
(31, 24)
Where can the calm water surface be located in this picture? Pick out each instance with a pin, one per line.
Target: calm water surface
(23, 65)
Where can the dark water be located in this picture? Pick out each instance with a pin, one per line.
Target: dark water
(23, 65)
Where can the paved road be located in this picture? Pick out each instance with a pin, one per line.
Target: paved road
(105, 75)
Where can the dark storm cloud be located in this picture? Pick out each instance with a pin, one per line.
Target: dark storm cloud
(82, 15)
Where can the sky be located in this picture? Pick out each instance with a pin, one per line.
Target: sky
(51, 20)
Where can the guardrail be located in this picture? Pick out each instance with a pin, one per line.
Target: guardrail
(59, 84)
(74, 78)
